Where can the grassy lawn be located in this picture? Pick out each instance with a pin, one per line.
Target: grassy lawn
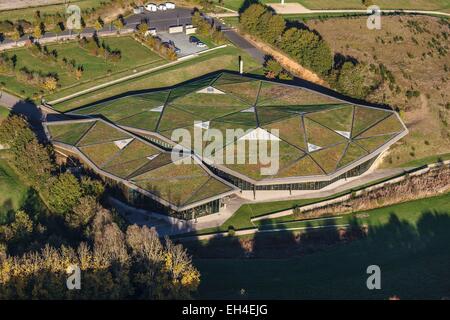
(241, 218)
(408, 241)
(96, 70)
(221, 59)
(12, 192)
(435, 5)
(4, 112)
(28, 13)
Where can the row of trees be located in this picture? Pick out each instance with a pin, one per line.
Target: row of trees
(306, 46)
(100, 49)
(116, 261)
(164, 50)
(207, 28)
(344, 74)
(45, 81)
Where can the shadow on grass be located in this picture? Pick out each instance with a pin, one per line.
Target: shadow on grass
(331, 263)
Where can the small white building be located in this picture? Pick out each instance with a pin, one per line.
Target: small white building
(162, 7)
(170, 5)
(138, 10)
(151, 7)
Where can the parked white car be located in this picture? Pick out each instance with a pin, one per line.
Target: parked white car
(170, 5)
(201, 45)
(151, 7)
(162, 7)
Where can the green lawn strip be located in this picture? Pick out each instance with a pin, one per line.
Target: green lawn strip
(13, 192)
(221, 59)
(408, 241)
(374, 217)
(241, 218)
(4, 112)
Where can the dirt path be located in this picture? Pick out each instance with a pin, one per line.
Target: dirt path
(17, 4)
(288, 63)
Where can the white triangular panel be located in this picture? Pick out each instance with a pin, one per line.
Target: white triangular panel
(344, 133)
(157, 109)
(210, 90)
(313, 147)
(252, 109)
(202, 125)
(259, 134)
(153, 156)
(122, 143)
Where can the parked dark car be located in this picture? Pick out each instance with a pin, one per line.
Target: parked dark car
(193, 39)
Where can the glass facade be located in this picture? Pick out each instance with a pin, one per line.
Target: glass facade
(314, 185)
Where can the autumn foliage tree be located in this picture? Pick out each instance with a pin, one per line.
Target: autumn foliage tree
(114, 265)
(116, 262)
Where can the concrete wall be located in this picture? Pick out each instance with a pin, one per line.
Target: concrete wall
(348, 196)
(176, 29)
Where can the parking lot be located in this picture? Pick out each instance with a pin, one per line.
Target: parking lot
(161, 21)
(181, 41)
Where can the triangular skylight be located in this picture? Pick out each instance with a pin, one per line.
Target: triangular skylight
(202, 125)
(344, 133)
(313, 147)
(252, 109)
(157, 109)
(153, 156)
(122, 143)
(259, 134)
(210, 90)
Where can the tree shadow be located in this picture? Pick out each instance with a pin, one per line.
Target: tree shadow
(407, 251)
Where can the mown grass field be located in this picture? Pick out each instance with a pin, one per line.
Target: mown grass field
(96, 70)
(12, 191)
(221, 59)
(409, 242)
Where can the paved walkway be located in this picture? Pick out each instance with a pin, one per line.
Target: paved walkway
(143, 217)
(297, 8)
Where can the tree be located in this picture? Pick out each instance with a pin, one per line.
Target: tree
(19, 229)
(143, 28)
(251, 17)
(272, 68)
(64, 193)
(351, 80)
(98, 25)
(119, 24)
(16, 35)
(50, 83)
(38, 31)
(30, 158)
(83, 212)
(275, 27)
(59, 28)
